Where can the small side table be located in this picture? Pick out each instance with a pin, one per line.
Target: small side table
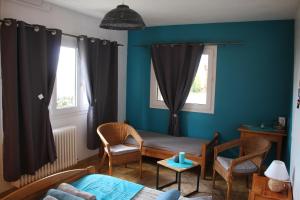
(276, 136)
(261, 191)
(178, 172)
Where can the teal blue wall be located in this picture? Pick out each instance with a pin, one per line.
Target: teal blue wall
(253, 85)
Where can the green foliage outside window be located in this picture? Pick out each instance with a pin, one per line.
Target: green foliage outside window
(65, 102)
(196, 87)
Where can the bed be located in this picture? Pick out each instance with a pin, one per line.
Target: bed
(164, 146)
(37, 189)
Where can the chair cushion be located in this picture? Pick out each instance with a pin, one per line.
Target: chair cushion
(121, 149)
(244, 167)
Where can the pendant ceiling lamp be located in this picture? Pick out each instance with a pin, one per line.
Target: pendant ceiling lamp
(122, 18)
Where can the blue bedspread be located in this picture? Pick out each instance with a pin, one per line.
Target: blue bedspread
(107, 187)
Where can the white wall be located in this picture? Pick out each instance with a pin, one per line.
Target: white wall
(73, 23)
(295, 138)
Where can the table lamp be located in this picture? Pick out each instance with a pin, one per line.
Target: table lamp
(278, 176)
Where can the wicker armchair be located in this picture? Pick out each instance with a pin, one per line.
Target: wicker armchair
(253, 151)
(113, 136)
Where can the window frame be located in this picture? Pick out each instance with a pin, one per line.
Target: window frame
(211, 50)
(79, 105)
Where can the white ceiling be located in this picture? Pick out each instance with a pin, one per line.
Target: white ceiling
(170, 12)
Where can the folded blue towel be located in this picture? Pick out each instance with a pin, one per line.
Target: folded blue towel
(48, 197)
(61, 195)
(169, 195)
(72, 190)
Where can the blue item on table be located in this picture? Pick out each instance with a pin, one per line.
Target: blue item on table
(176, 159)
(169, 195)
(259, 128)
(187, 163)
(181, 157)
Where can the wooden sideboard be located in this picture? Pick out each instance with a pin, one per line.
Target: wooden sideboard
(260, 190)
(276, 136)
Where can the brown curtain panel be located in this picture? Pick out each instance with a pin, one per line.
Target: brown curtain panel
(175, 67)
(99, 64)
(29, 62)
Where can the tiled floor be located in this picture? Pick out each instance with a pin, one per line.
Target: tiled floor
(240, 190)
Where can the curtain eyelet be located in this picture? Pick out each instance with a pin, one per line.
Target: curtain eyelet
(36, 29)
(7, 22)
(41, 96)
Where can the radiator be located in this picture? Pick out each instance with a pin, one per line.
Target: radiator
(65, 140)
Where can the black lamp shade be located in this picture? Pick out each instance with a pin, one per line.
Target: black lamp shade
(122, 18)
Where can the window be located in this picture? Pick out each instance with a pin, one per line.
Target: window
(66, 78)
(202, 93)
(69, 93)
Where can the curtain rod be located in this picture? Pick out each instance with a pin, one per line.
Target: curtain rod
(221, 43)
(65, 34)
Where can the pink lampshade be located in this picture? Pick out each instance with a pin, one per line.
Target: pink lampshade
(277, 171)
